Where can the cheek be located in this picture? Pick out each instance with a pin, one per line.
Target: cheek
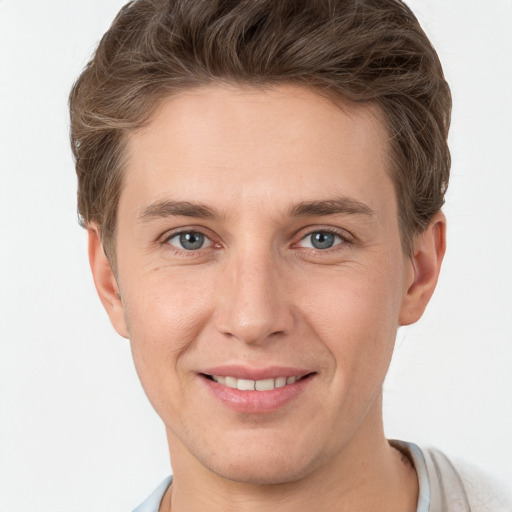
(164, 313)
(355, 313)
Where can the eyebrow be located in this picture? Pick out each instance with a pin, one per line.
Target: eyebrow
(339, 205)
(167, 208)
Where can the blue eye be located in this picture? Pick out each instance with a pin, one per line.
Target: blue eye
(189, 240)
(321, 240)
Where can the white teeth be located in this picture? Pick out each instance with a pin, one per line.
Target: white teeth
(264, 385)
(280, 382)
(231, 382)
(245, 385)
(251, 385)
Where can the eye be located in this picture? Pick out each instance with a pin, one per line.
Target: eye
(321, 240)
(189, 240)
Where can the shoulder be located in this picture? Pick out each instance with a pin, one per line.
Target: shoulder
(456, 485)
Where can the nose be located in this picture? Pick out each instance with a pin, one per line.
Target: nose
(253, 304)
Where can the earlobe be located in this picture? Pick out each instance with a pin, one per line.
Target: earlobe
(423, 270)
(105, 281)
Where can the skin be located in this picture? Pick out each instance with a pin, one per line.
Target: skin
(259, 294)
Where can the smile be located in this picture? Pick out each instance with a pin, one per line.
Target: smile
(264, 393)
(254, 385)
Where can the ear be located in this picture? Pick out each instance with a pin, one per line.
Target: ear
(105, 281)
(423, 270)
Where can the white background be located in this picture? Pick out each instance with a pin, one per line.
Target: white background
(76, 432)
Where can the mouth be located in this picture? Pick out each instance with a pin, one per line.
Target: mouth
(255, 385)
(256, 396)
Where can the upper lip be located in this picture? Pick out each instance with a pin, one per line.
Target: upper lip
(246, 372)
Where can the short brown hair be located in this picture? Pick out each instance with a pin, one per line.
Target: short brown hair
(363, 50)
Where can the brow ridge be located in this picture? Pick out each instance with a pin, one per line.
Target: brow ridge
(339, 205)
(170, 208)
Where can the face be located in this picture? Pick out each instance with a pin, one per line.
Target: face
(262, 277)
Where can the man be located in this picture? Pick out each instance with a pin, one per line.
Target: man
(262, 185)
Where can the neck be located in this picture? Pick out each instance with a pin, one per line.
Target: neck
(367, 474)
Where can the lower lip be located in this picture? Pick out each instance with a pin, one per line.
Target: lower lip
(257, 402)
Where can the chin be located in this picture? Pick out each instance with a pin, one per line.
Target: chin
(263, 464)
(262, 475)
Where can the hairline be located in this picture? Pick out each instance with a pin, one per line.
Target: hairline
(336, 97)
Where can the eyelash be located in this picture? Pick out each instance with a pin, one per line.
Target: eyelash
(346, 240)
(164, 241)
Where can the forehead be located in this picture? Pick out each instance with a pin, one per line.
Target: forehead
(233, 147)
